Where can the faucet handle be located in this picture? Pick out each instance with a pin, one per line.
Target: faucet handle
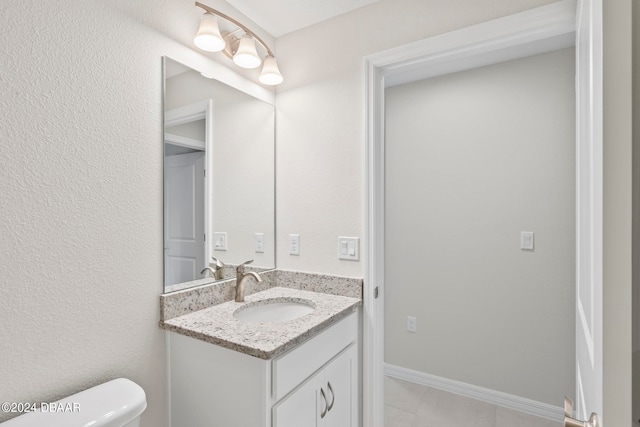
(568, 406)
(219, 264)
(240, 268)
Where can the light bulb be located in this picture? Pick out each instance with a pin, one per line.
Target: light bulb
(208, 36)
(246, 56)
(270, 74)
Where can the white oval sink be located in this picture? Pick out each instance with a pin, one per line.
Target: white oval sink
(274, 310)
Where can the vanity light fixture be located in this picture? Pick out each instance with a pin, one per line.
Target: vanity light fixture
(246, 55)
(208, 36)
(242, 50)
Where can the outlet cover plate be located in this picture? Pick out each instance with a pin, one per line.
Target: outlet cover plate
(411, 324)
(259, 240)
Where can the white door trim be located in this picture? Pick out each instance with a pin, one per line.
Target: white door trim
(523, 34)
(187, 114)
(589, 210)
(183, 141)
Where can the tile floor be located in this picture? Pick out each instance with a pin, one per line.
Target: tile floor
(412, 405)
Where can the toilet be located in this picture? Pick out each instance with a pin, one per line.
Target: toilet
(117, 403)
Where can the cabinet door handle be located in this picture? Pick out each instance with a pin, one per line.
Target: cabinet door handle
(333, 396)
(324, 411)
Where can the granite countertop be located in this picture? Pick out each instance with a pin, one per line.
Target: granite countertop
(216, 324)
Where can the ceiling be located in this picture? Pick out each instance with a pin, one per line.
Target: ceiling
(279, 17)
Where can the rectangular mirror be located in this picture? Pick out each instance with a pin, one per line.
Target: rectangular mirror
(219, 179)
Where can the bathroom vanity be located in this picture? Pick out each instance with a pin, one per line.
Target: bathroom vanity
(238, 373)
(243, 364)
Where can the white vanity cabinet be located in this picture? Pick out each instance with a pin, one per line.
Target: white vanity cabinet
(315, 384)
(326, 399)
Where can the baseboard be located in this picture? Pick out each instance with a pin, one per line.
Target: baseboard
(494, 397)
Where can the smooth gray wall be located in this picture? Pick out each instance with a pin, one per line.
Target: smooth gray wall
(636, 216)
(473, 159)
(617, 216)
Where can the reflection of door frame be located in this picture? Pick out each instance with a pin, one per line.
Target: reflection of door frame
(202, 110)
(535, 31)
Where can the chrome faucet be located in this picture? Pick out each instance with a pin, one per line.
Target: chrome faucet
(219, 268)
(240, 277)
(216, 269)
(210, 270)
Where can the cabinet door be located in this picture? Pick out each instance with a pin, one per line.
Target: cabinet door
(337, 387)
(299, 409)
(326, 400)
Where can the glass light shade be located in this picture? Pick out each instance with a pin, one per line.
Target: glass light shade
(270, 74)
(208, 36)
(246, 56)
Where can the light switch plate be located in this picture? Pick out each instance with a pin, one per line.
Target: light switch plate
(526, 240)
(220, 241)
(294, 244)
(349, 248)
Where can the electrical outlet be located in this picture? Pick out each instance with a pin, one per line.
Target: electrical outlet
(526, 240)
(259, 242)
(411, 324)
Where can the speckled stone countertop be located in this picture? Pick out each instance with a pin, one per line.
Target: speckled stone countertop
(216, 325)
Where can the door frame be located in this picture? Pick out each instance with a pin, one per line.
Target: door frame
(531, 32)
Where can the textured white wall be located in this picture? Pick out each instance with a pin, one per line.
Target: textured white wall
(320, 110)
(81, 193)
(472, 159)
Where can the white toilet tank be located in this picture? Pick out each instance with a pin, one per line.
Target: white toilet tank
(117, 403)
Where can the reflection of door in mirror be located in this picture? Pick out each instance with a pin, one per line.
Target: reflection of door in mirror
(184, 216)
(185, 192)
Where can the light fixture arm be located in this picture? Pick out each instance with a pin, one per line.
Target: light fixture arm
(235, 22)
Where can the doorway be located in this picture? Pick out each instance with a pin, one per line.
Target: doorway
(480, 238)
(529, 33)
